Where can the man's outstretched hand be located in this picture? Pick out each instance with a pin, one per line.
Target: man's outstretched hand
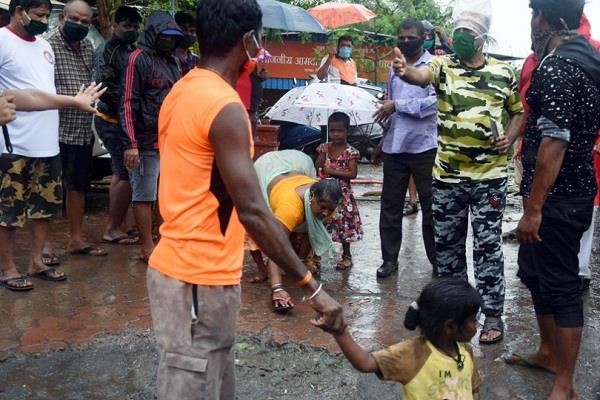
(87, 96)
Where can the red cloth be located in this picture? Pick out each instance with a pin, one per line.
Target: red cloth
(531, 62)
(244, 89)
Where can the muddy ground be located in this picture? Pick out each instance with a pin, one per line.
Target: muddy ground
(90, 338)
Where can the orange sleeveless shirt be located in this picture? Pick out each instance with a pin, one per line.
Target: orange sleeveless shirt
(201, 237)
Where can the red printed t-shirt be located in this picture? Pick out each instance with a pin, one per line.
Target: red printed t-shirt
(201, 237)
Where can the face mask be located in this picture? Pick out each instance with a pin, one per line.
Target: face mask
(411, 47)
(165, 46)
(34, 27)
(75, 32)
(464, 45)
(345, 52)
(130, 37)
(540, 40)
(428, 44)
(187, 41)
(250, 64)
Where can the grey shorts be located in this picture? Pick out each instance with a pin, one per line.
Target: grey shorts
(196, 354)
(144, 178)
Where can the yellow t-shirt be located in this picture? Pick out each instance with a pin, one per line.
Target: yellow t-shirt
(426, 373)
(287, 206)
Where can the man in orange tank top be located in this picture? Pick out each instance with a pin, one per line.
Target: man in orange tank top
(209, 194)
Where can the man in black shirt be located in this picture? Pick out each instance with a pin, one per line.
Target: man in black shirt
(558, 185)
(111, 61)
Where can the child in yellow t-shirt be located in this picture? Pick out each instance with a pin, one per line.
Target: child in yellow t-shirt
(438, 365)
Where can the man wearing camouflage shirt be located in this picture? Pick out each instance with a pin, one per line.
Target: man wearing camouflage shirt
(470, 173)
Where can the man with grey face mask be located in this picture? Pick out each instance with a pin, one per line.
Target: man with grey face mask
(470, 173)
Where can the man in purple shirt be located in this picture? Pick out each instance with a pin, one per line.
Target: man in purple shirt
(409, 147)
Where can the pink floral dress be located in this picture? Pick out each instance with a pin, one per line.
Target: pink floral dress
(346, 226)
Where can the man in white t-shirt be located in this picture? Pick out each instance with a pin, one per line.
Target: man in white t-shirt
(31, 175)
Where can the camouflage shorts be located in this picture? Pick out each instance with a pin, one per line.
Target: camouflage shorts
(31, 188)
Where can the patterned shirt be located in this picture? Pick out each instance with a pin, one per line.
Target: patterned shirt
(72, 69)
(565, 105)
(470, 102)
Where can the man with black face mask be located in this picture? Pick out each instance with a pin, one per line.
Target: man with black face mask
(110, 66)
(187, 59)
(73, 68)
(409, 146)
(151, 72)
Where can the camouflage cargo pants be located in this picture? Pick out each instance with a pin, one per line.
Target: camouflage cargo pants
(485, 201)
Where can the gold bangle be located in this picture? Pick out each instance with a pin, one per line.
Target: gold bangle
(306, 280)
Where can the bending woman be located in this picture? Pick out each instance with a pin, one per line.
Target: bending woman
(288, 181)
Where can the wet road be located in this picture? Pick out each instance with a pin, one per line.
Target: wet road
(102, 312)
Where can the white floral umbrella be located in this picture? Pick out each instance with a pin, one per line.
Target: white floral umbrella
(313, 104)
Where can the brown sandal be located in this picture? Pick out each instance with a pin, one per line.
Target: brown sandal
(344, 264)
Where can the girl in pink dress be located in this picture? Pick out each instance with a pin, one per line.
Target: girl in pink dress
(338, 160)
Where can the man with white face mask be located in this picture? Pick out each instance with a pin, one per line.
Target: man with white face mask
(470, 173)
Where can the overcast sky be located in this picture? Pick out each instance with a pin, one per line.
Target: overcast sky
(510, 24)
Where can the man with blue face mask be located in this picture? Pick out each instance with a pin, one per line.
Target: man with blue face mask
(339, 66)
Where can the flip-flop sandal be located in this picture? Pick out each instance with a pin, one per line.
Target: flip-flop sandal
(50, 259)
(280, 308)
(124, 240)
(47, 275)
(11, 286)
(492, 324)
(89, 251)
(133, 232)
(522, 361)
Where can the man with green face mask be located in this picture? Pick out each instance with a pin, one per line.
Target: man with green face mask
(73, 68)
(474, 92)
(151, 72)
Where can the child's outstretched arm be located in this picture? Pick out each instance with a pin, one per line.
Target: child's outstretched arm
(358, 357)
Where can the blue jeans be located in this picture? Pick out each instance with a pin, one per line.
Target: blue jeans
(144, 177)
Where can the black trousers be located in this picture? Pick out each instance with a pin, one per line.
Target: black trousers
(397, 170)
(550, 269)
